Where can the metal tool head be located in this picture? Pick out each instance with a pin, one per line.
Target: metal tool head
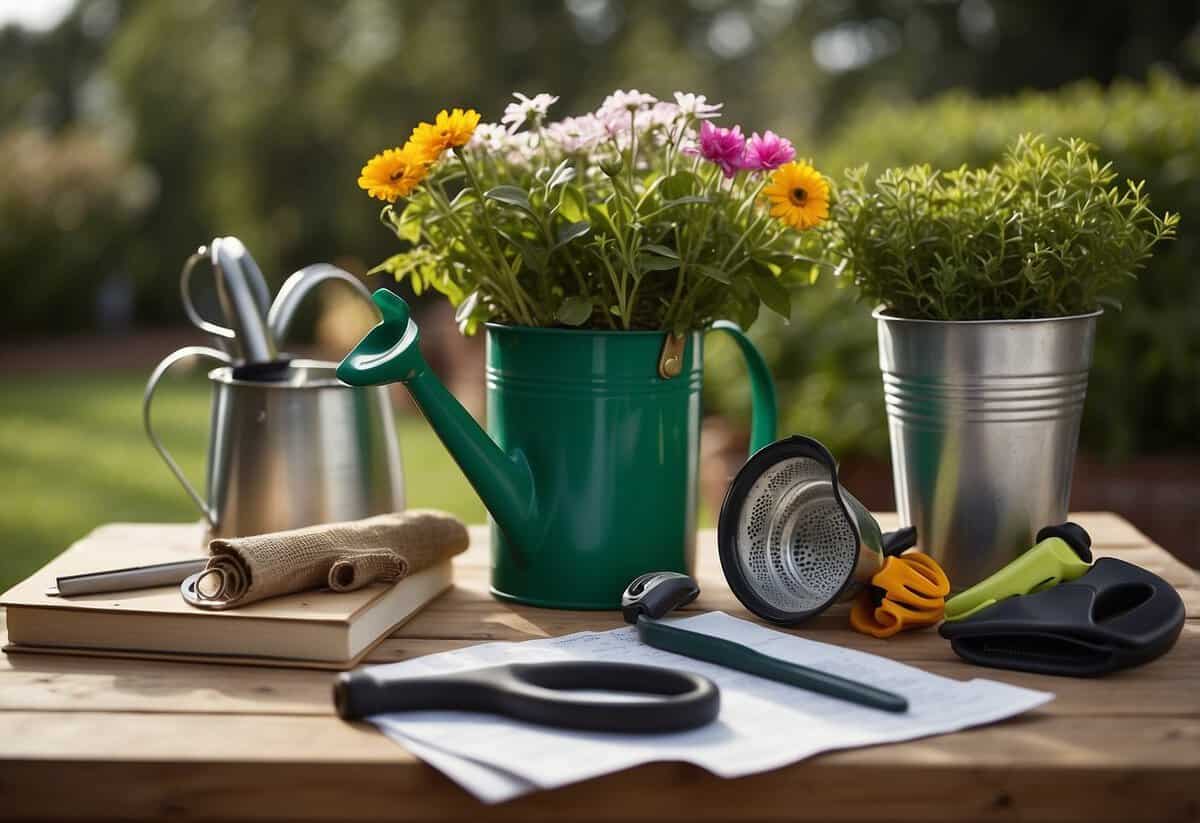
(244, 299)
(654, 594)
(792, 541)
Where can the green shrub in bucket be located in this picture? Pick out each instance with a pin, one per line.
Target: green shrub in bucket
(595, 252)
(989, 283)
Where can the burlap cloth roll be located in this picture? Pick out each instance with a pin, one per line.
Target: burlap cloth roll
(340, 556)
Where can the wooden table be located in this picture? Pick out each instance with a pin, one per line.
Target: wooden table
(101, 738)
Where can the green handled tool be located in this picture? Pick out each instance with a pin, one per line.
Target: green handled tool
(652, 595)
(1062, 553)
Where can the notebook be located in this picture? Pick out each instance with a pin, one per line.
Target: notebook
(317, 629)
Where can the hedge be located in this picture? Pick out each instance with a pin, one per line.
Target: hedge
(1144, 394)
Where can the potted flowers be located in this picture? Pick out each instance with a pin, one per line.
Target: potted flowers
(989, 283)
(594, 251)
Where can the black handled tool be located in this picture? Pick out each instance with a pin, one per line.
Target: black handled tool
(652, 595)
(1115, 616)
(540, 693)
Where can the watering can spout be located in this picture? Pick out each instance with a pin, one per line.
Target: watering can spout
(391, 353)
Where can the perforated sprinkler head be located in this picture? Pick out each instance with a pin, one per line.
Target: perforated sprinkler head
(792, 541)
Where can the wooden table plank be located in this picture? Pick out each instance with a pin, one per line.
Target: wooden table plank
(173, 739)
(61, 684)
(469, 612)
(293, 768)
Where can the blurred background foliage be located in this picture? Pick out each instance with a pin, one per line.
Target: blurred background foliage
(133, 130)
(1144, 392)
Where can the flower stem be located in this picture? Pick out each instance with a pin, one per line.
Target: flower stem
(490, 231)
(751, 229)
(439, 199)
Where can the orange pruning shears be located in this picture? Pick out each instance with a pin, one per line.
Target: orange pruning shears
(909, 592)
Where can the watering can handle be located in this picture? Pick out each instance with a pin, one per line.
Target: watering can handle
(152, 384)
(220, 333)
(762, 387)
(297, 287)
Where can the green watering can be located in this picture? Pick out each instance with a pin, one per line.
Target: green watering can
(590, 471)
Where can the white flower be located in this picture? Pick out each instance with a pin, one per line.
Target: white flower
(519, 149)
(624, 102)
(574, 134)
(697, 105)
(661, 114)
(527, 110)
(488, 137)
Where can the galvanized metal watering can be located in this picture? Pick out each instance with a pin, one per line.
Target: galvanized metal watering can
(590, 472)
(290, 445)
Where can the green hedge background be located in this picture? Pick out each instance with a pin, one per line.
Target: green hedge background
(1143, 393)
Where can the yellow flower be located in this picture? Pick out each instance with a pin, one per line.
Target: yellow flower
(450, 129)
(799, 195)
(393, 173)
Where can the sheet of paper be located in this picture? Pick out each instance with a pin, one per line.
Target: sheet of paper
(488, 784)
(763, 725)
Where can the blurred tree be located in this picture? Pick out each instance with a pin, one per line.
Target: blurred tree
(69, 205)
(254, 117)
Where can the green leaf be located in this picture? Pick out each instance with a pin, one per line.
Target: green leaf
(391, 265)
(683, 201)
(661, 250)
(564, 173)
(574, 311)
(408, 225)
(713, 272)
(511, 196)
(574, 204)
(533, 255)
(680, 184)
(746, 305)
(465, 309)
(654, 262)
(568, 232)
(463, 199)
(773, 293)
(406, 264)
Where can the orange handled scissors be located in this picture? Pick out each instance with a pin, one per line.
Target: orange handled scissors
(909, 592)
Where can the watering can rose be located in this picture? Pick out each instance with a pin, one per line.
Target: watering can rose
(643, 214)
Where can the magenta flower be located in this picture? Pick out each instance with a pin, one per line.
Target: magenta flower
(725, 147)
(770, 151)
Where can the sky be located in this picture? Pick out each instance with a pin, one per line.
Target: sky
(36, 15)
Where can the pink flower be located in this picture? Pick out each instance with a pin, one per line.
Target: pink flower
(770, 151)
(725, 147)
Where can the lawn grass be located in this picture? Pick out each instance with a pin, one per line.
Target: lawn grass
(75, 456)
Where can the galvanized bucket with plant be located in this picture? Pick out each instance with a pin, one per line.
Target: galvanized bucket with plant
(989, 283)
(594, 251)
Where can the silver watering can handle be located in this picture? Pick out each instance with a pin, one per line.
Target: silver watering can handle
(220, 333)
(160, 370)
(297, 287)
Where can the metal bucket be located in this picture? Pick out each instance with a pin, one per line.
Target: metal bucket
(984, 422)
